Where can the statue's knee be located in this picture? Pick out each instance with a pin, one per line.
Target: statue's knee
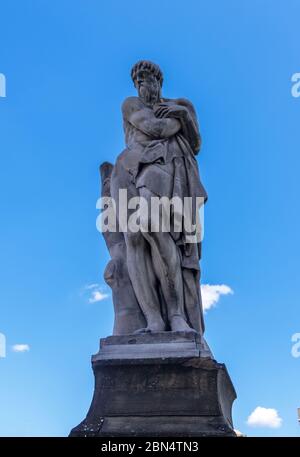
(110, 272)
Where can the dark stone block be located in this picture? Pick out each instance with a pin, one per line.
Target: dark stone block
(168, 396)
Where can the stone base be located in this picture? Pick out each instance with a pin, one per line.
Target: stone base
(158, 385)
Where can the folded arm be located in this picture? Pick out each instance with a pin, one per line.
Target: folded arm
(182, 110)
(144, 119)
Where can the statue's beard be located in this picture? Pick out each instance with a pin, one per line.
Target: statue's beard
(149, 95)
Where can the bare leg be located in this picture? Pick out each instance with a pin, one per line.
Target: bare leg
(166, 263)
(144, 282)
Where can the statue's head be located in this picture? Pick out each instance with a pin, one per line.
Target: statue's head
(147, 78)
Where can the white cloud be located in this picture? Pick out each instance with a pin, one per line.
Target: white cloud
(96, 293)
(20, 347)
(264, 417)
(91, 286)
(211, 294)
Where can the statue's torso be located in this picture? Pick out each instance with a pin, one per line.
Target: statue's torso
(151, 162)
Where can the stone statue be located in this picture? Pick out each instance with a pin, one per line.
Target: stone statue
(155, 275)
(156, 376)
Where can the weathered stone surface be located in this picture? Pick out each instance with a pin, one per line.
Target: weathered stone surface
(127, 312)
(152, 346)
(176, 395)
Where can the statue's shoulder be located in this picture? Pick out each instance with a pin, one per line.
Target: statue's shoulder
(131, 104)
(184, 102)
(187, 103)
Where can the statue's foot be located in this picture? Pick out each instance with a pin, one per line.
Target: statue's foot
(179, 324)
(152, 328)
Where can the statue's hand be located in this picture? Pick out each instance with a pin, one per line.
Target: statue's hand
(162, 110)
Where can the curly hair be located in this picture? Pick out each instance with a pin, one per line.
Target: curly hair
(146, 65)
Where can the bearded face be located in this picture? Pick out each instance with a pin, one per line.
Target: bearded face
(148, 87)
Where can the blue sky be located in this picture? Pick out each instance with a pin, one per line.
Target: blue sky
(67, 67)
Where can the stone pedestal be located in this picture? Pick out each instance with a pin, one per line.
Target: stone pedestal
(158, 385)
